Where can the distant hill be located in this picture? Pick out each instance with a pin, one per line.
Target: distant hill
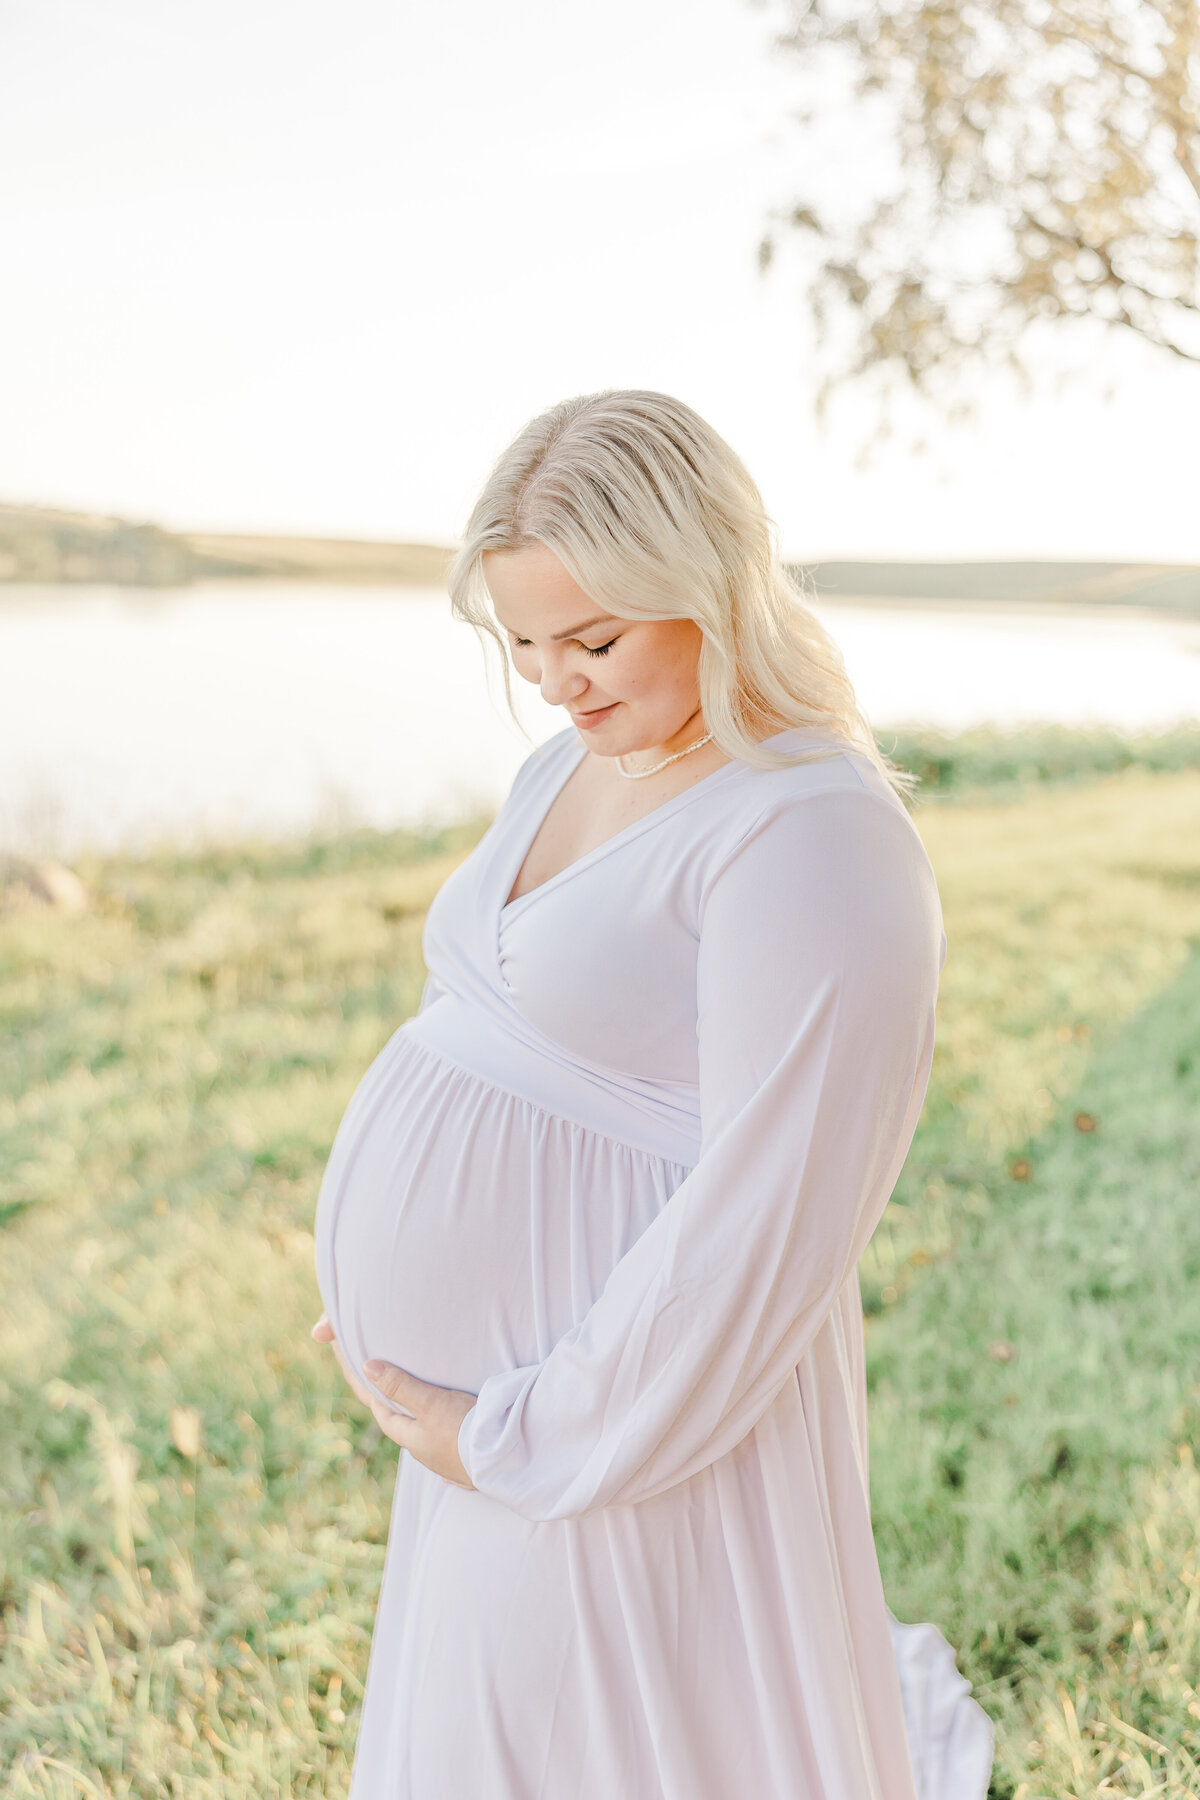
(38, 544)
(1172, 585)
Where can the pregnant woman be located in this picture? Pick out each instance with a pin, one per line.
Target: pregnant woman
(587, 1240)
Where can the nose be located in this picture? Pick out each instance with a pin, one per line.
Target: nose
(559, 683)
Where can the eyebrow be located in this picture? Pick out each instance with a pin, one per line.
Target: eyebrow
(601, 619)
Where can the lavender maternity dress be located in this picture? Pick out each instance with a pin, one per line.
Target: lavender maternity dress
(615, 1178)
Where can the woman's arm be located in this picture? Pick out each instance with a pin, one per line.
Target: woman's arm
(819, 955)
(431, 991)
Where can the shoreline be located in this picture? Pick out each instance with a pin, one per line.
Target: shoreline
(41, 546)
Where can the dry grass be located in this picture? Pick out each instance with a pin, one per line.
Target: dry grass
(193, 1512)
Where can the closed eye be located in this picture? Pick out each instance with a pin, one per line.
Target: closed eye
(520, 643)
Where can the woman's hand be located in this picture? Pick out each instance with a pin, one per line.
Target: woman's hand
(322, 1331)
(431, 1434)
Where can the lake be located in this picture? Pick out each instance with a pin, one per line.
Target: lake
(134, 716)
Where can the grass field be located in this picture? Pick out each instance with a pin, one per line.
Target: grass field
(193, 1512)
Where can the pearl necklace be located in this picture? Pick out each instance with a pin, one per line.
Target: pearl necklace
(641, 774)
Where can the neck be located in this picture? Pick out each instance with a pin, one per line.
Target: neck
(686, 736)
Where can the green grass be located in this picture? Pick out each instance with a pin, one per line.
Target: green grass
(192, 1512)
(1018, 1395)
(1009, 764)
(175, 1064)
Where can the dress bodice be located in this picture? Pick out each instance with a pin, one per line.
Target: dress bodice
(595, 970)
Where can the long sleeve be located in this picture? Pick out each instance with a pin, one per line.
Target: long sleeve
(819, 952)
(431, 991)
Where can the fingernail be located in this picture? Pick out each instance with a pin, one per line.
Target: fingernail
(374, 1368)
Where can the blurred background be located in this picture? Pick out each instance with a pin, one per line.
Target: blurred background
(266, 276)
(277, 283)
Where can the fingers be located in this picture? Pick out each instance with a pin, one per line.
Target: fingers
(400, 1427)
(403, 1396)
(323, 1333)
(400, 1386)
(422, 1418)
(353, 1379)
(418, 1416)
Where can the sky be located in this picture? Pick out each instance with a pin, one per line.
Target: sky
(296, 267)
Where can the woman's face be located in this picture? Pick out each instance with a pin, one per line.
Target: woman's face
(628, 684)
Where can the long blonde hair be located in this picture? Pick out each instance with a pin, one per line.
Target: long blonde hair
(655, 517)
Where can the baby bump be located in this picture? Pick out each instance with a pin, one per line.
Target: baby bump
(460, 1229)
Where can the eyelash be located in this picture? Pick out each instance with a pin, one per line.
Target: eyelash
(601, 649)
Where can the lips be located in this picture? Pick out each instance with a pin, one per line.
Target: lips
(588, 720)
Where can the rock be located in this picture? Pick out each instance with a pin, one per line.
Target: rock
(44, 884)
(60, 887)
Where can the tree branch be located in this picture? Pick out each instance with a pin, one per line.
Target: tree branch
(1187, 161)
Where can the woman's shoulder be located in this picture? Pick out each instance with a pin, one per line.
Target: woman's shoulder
(833, 829)
(836, 807)
(828, 768)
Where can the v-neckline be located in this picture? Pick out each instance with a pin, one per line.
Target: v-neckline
(609, 843)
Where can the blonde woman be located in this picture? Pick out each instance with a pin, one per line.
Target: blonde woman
(588, 1237)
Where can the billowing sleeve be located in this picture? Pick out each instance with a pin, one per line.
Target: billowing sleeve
(432, 990)
(818, 960)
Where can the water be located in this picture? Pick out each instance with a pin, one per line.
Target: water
(129, 717)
